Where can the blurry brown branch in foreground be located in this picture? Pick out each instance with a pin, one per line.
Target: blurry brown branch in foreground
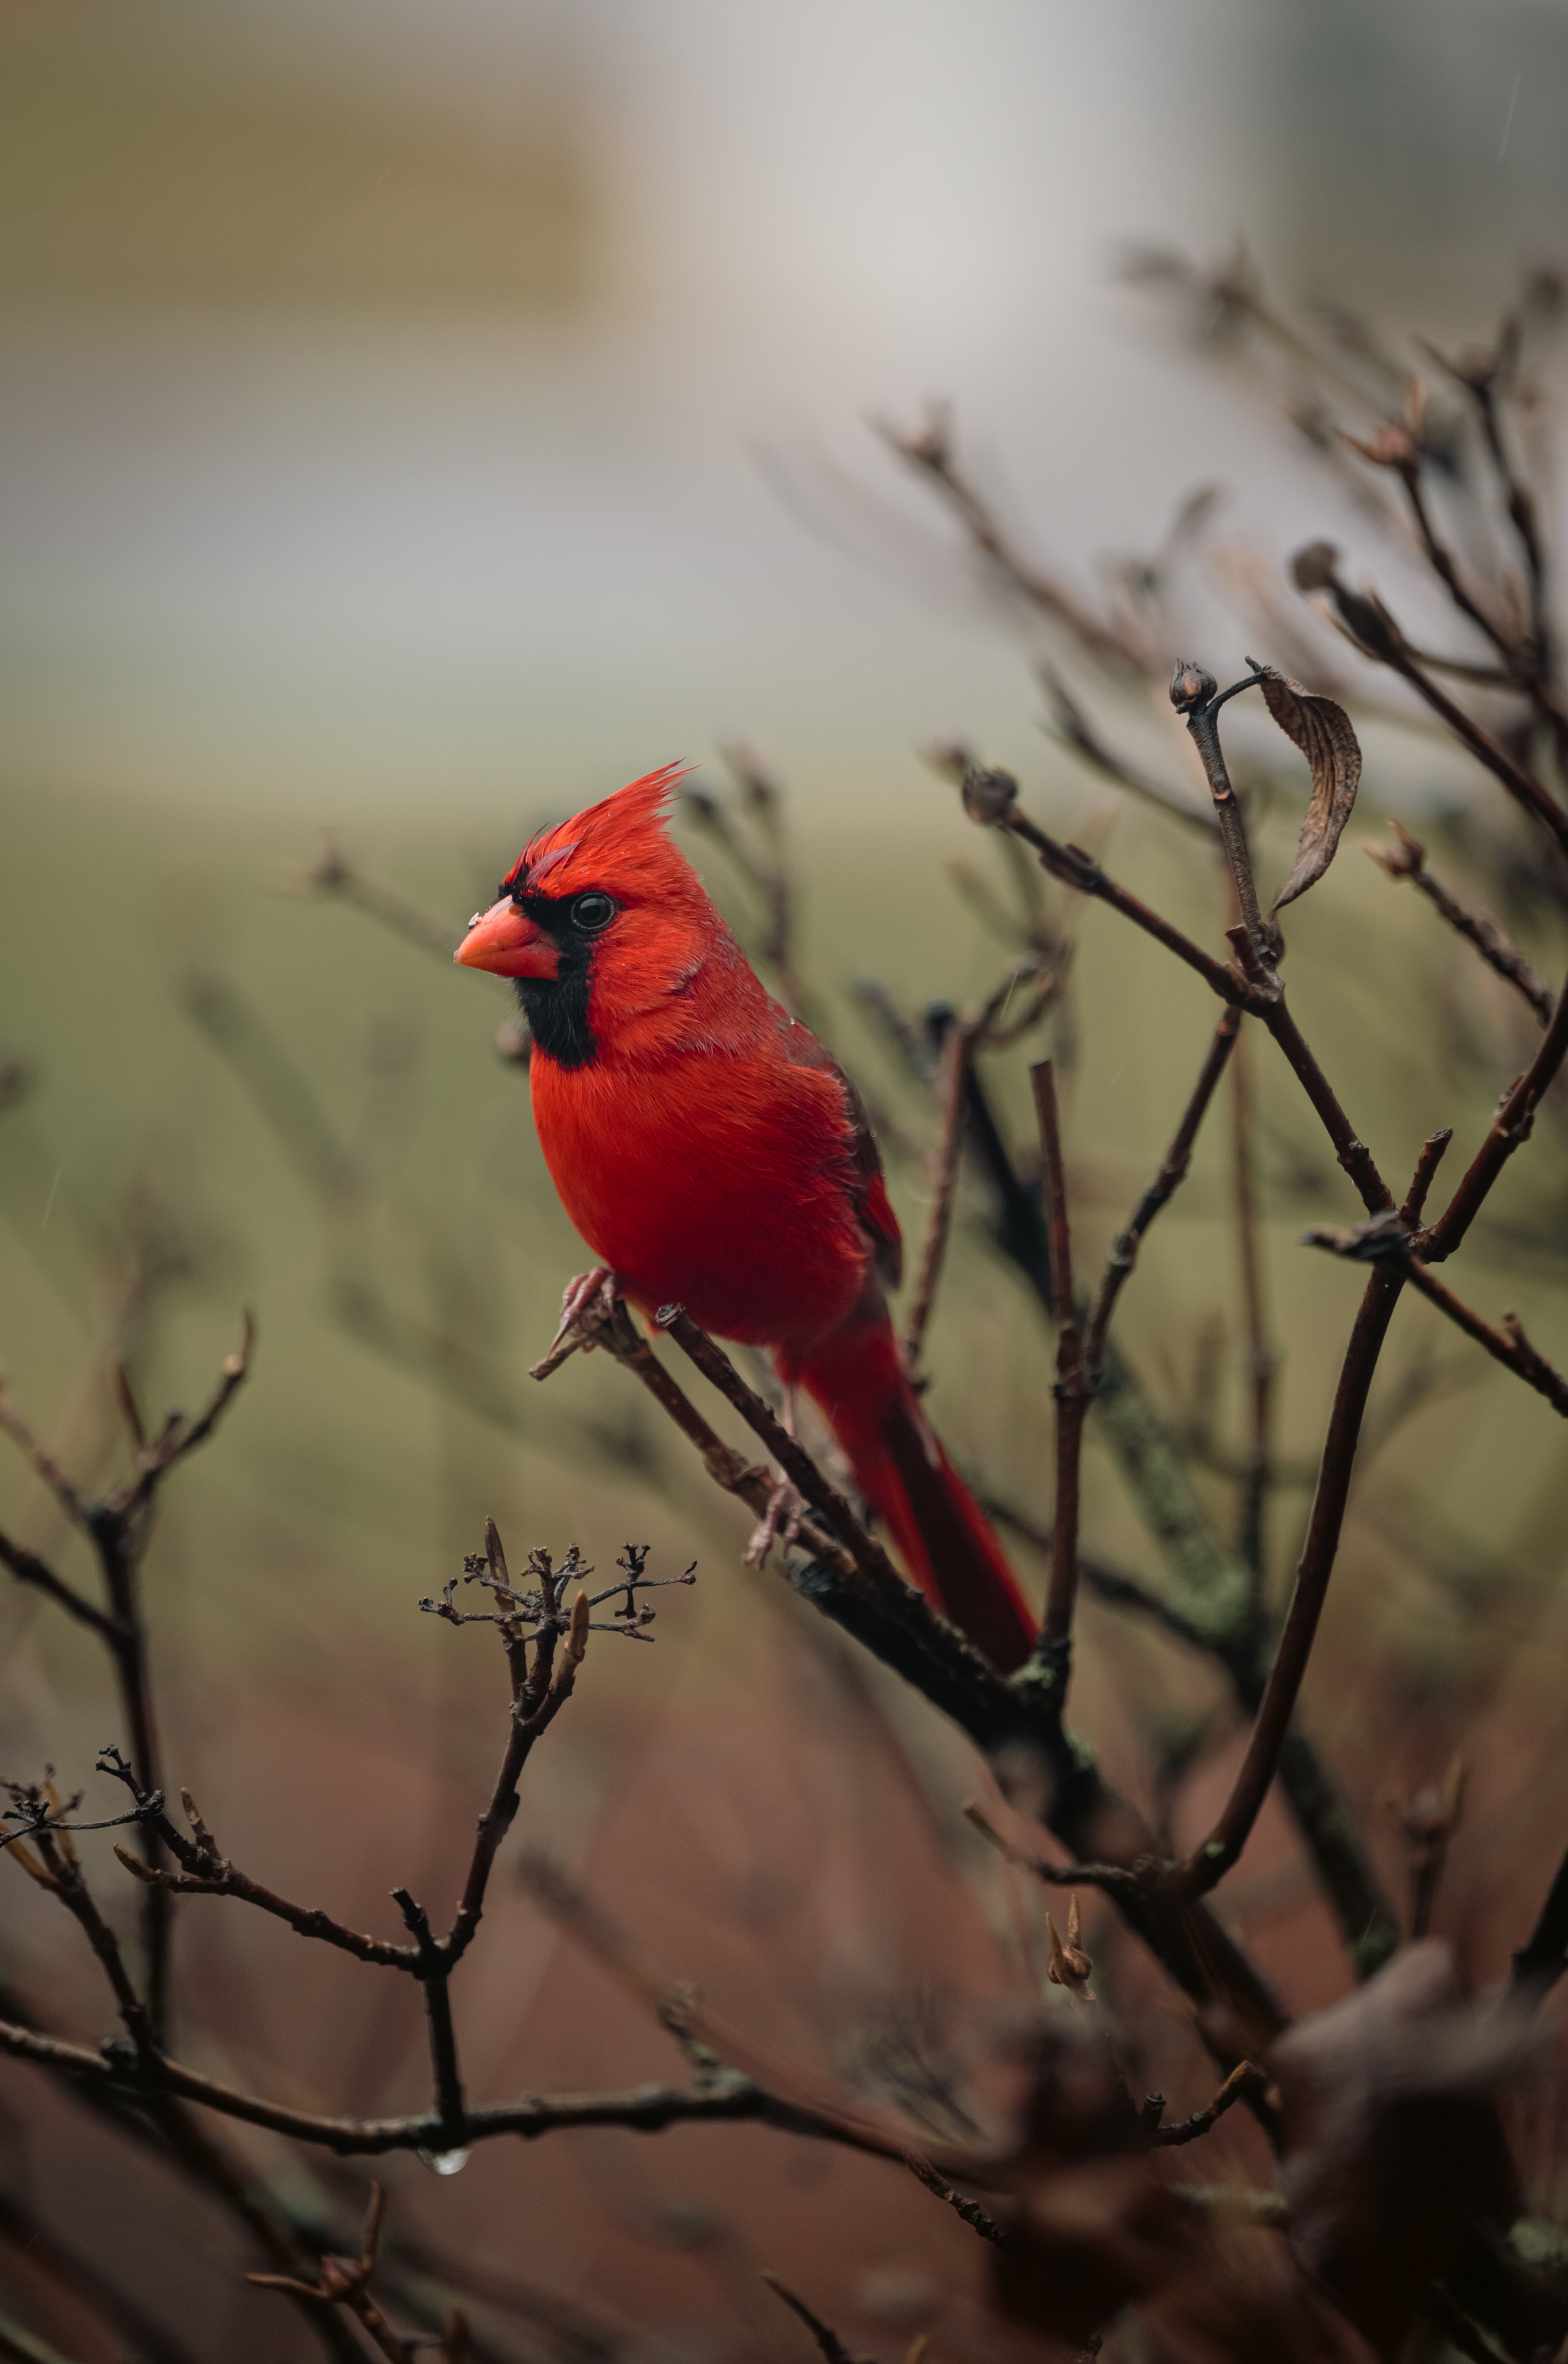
(118, 1527)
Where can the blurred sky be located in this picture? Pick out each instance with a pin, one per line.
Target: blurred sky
(406, 405)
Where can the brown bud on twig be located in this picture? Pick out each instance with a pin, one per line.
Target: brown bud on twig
(1313, 567)
(989, 796)
(1393, 446)
(929, 445)
(1401, 860)
(1431, 1813)
(1190, 685)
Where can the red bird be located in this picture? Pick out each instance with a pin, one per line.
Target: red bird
(713, 1156)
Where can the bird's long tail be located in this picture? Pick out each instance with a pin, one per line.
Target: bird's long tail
(857, 1379)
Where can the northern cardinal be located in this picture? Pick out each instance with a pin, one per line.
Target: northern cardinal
(712, 1154)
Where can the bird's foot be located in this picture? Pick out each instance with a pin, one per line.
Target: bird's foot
(780, 1522)
(588, 1302)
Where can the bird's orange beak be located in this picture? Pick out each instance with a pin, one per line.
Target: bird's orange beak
(508, 942)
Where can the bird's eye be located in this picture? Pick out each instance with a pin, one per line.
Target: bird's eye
(592, 913)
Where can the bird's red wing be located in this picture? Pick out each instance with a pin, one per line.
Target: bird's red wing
(873, 1206)
(881, 1225)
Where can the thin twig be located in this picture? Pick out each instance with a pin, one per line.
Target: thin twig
(990, 799)
(1245, 2076)
(62, 1874)
(613, 1329)
(1508, 1345)
(432, 1974)
(1116, 1879)
(1075, 731)
(970, 2210)
(1408, 860)
(1197, 697)
(927, 449)
(830, 2346)
(1429, 1821)
(345, 2282)
(646, 2109)
(1080, 870)
(1252, 1538)
(1213, 1856)
(1172, 1174)
(1073, 1388)
(28, 1568)
(43, 1463)
(1510, 1128)
(334, 875)
(957, 1051)
(791, 1456)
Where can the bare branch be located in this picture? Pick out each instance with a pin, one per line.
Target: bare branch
(647, 2109)
(1075, 1389)
(957, 1051)
(1215, 1855)
(1261, 1359)
(1116, 1879)
(928, 449)
(1408, 860)
(1508, 1345)
(335, 875)
(1172, 1174)
(1244, 2077)
(870, 1560)
(1075, 731)
(1510, 1129)
(831, 2346)
(35, 1452)
(28, 1568)
(1428, 1822)
(1197, 699)
(970, 2210)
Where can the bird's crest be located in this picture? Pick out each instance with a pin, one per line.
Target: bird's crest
(623, 836)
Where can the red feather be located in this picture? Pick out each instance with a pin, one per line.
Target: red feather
(712, 1154)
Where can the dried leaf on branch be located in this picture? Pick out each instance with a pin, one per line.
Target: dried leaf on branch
(1323, 731)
